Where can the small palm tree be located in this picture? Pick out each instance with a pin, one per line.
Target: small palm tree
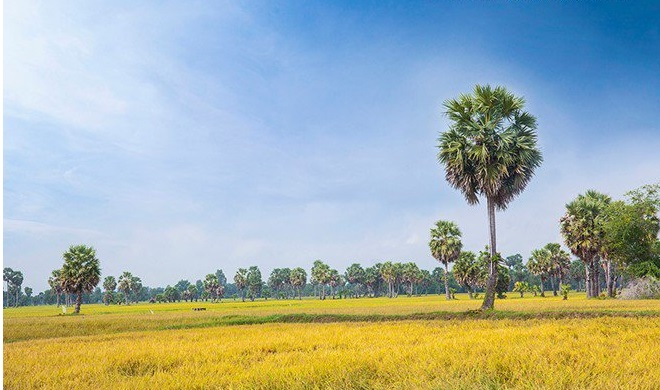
(446, 246)
(81, 272)
(540, 264)
(583, 234)
(489, 151)
(55, 283)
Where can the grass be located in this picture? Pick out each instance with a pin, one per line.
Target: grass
(419, 342)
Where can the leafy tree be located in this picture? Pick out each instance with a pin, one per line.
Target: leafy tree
(560, 262)
(182, 286)
(410, 275)
(503, 280)
(521, 287)
(540, 263)
(445, 246)
(192, 292)
(355, 275)
(240, 280)
(468, 272)
(279, 280)
(584, 235)
(28, 296)
(565, 289)
(81, 272)
(254, 282)
(321, 275)
(211, 286)
(489, 150)
(13, 280)
(389, 273)
(373, 278)
(125, 285)
(631, 232)
(334, 282)
(577, 272)
(55, 283)
(136, 288)
(298, 279)
(222, 279)
(109, 285)
(517, 270)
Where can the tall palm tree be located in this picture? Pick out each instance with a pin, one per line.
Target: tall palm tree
(446, 246)
(489, 151)
(584, 236)
(81, 272)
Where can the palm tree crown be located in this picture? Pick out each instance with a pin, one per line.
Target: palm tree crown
(490, 147)
(81, 271)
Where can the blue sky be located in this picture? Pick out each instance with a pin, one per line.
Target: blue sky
(179, 138)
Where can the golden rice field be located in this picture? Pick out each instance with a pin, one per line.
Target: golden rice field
(419, 342)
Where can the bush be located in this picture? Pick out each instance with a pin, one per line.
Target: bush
(647, 287)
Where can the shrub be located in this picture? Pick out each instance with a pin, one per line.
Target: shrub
(647, 287)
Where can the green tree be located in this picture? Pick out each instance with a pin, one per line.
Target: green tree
(445, 247)
(467, 272)
(298, 279)
(13, 280)
(81, 272)
(372, 279)
(410, 275)
(192, 292)
(321, 275)
(355, 275)
(388, 272)
(240, 280)
(521, 287)
(631, 232)
(211, 286)
(125, 285)
(560, 263)
(254, 282)
(577, 272)
(489, 150)
(136, 288)
(55, 283)
(540, 264)
(109, 285)
(583, 233)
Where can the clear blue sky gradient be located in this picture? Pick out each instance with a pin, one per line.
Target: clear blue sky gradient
(182, 137)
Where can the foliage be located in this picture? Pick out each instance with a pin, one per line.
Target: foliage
(631, 231)
(445, 246)
(489, 150)
(80, 272)
(582, 228)
(521, 287)
(254, 282)
(646, 287)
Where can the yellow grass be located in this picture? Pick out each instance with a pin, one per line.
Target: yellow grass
(128, 347)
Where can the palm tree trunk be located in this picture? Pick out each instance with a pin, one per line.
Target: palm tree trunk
(610, 280)
(542, 289)
(448, 296)
(78, 302)
(552, 284)
(587, 280)
(489, 298)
